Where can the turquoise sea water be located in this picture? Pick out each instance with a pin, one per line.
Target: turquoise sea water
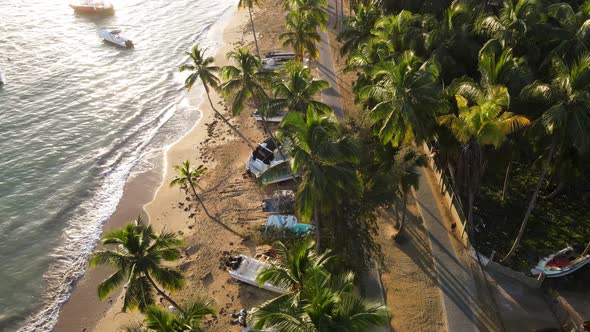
(77, 117)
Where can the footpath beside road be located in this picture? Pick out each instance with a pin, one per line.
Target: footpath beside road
(456, 271)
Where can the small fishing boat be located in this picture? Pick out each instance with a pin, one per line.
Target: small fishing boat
(114, 37)
(561, 263)
(281, 201)
(92, 7)
(265, 155)
(276, 117)
(287, 223)
(247, 269)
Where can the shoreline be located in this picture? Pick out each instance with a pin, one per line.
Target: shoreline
(83, 311)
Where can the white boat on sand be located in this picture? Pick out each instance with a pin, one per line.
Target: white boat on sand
(114, 37)
(266, 155)
(561, 263)
(249, 268)
(276, 117)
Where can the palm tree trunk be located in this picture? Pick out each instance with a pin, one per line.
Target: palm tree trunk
(505, 188)
(405, 208)
(531, 204)
(253, 31)
(587, 250)
(209, 215)
(470, 199)
(227, 122)
(341, 12)
(336, 20)
(316, 221)
(163, 294)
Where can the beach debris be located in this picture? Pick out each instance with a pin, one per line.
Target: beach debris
(184, 266)
(191, 250)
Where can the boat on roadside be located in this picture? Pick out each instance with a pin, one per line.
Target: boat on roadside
(277, 117)
(114, 37)
(248, 269)
(92, 7)
(561, 263)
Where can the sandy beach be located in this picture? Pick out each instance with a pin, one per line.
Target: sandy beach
(230, 195)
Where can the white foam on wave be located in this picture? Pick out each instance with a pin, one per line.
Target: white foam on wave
(84, 228)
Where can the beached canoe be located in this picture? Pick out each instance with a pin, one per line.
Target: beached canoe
(250, 268)
(561, 263)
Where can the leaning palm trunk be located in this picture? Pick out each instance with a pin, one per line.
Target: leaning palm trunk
(587, 250)
(159, 291)
(208, 214)
(506, 177)
(531, 204)
(253, 30)
(317, 231)
(226, 121)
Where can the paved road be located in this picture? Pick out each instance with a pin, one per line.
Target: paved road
(462, 309)
(330, 96)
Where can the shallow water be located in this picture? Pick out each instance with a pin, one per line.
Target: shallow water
(77, 117)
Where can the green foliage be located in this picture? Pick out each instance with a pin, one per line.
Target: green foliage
(137, 256)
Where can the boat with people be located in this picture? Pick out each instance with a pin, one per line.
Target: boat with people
(246, 269)
(561, 263)
(92, 7)
(114, 37)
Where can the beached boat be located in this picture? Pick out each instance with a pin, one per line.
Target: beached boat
(561, 263)
(92, 7)
(264, 156)
(287, 222)
(276, 117)
(249, 268)
(114, 37)
(281, 201)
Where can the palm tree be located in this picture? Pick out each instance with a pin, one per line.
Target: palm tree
(298, 262)
(185, 320)
(250, 4)
(358, 28)
(313, 10)
(296, 93)
(301, 35)
(485, 122)
(137, 255)
(572, 34)
(566, 119)
(326, 302)
(404, 98)
(405, 31)
(516, 19)
(323, 155)
(245, 80)
(204, 70)
(187, 176)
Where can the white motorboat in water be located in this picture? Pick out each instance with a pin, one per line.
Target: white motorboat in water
(114, 37)
(247, 270)
(561, 263)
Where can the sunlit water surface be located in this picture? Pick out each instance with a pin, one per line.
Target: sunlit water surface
(77, 118)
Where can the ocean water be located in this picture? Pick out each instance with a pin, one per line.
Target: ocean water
(78, 117)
